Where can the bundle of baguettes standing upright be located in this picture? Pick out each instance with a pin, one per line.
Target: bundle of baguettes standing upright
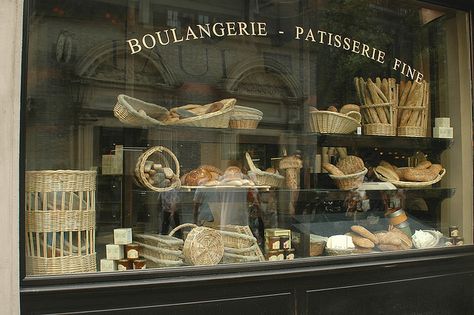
(413, 108)
(379, 101)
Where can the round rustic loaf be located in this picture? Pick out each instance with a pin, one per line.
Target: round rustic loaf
(349, 108)
(198, 177)
(350, 164)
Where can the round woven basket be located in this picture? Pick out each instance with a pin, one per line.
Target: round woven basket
(203, 246)
(261, 177)
(237, 240)
(244, 121)
(218, 119)
(160, 155)
(411, 131)
(238, 110)
(348, 182)
(127, 111)
(332, 122)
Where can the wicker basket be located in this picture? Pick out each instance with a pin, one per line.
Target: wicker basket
(159, 155)
(369, 112)
(244, 121)
(138, 113)
(404, 184)
(323, 121)
(230, 258)
(160, 253)
(157, 240)
(413, 120)
(239, 240)
(239, 110)
(351, 181)
(218, 119)
(338, 252)
(263, 178)
(203, 246)
(60, 222)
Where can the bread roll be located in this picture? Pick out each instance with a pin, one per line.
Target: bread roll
(349, 108)
(362, 242)
(233, 172)
(332, 109)
(351, 164)
(419, 175)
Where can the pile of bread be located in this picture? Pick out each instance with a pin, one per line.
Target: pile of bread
(345, 109)
(423, 172)
(382, 91)
(349, 165)
(159, 176)
(391, 240)
(208, 175)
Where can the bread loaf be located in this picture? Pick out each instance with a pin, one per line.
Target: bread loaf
(419, 175)
(423, 165)
(332, 169)
(198, 177)
(350, 165)
(349, 108)
(362, 231)
(332, 109)
(362, 242)
(388, 173)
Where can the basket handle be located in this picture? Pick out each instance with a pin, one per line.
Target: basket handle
(355, 115)
(179, 227)
(252, 166)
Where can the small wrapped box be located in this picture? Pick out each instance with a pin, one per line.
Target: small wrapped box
(108, 265)
(122, 236)
(114, 251)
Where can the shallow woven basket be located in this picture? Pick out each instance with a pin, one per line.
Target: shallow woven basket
(60, 222)
(218, 119)
(238, 110)
(160, 253)
(203, 246)
(157, 240)
(411, 131)
(159, 155)
(244, 121)
(348, 182)
(237, 240)
(230, 258)
(152, 262)
(404, 184)
(127, 111)
(263, 178)
(380, 129)
(323, 121)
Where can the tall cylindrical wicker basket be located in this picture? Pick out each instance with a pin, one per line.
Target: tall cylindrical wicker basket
(60, 222)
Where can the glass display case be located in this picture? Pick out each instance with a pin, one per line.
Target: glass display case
(175, 135)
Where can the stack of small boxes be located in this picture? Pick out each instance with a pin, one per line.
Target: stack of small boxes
(442, 128)
(278, 244)
(122, 254)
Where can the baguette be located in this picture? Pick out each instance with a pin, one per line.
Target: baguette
(375, 94)
(332, 169)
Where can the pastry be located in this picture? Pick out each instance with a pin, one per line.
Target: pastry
(332, 169)
(362, 231)
(350, 165)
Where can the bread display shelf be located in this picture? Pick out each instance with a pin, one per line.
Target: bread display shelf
(226, 187)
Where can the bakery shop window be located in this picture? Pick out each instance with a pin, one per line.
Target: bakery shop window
(161, 136)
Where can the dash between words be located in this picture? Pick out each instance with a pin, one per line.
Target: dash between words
(231, 28)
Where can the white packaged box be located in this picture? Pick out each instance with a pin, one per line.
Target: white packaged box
(108, 265)
(122, 236)
(114, 251)
(442, 132)
(443, 122)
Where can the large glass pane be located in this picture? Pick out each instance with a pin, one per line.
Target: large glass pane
(185, 133)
